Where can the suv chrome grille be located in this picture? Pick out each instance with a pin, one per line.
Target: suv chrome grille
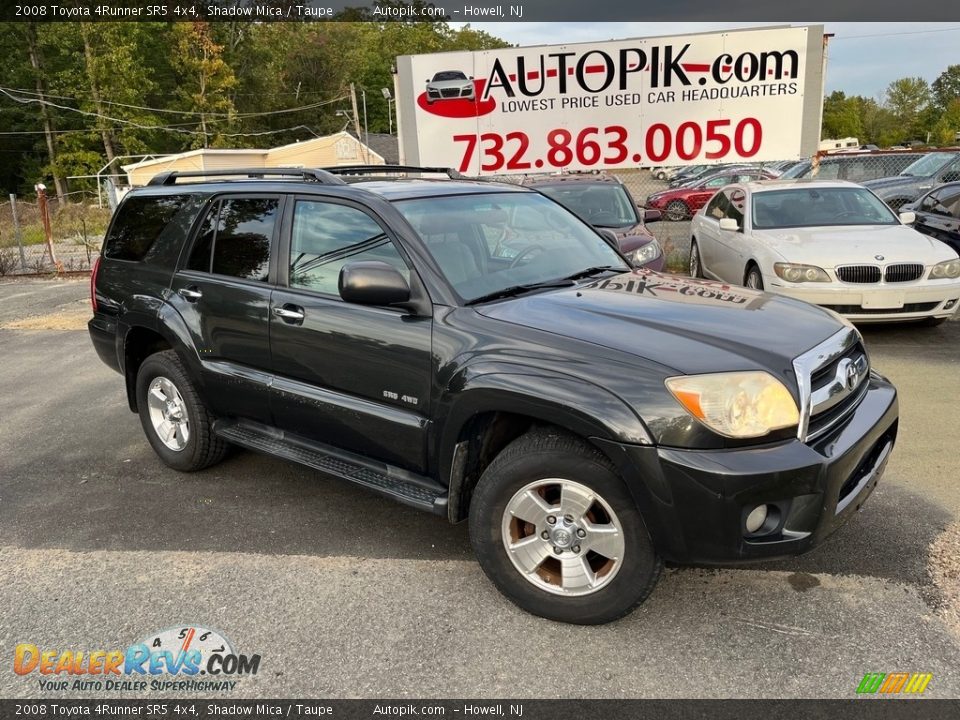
(833, 380)
(903, 272)
(859, 273)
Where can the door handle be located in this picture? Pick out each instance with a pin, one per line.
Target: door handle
(191, 294)
(292, 314)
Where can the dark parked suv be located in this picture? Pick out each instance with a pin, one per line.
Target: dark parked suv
(589, 420)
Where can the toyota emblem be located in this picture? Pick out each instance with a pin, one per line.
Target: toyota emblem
(853, 374)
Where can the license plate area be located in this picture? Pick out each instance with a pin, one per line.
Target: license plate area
(882, 301)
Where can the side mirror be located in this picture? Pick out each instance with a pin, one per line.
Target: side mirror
(611, 237)
(470, 78)
(729, 224)
(908, 218)
(372, 282)
(651, 216)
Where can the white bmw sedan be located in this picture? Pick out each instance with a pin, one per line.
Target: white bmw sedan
(835, 244)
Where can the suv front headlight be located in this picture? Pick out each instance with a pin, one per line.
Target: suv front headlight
(946, 270)
(795, 273)
(736, 404)
(650, 251)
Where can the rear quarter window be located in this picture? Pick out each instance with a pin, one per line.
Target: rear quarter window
(140, 222)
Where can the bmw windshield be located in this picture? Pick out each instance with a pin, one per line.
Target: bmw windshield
(493, 242)
(819, 207)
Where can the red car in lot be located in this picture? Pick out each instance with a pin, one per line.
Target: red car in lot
(681, 203)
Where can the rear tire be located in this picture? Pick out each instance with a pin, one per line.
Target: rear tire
(607, 564)
(677, 210)
(176, 422)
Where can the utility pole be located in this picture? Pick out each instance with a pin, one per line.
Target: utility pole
(356, 114)
(366, 130)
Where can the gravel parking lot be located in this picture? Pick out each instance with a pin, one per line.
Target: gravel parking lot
(345, 594)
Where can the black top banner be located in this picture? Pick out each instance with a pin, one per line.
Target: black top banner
(475, 11)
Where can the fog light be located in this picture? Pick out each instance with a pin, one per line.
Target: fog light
(756, 518)
(949, 304)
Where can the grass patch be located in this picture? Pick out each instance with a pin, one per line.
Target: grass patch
(69, 223)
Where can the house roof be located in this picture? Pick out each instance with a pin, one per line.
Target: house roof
(167, 159)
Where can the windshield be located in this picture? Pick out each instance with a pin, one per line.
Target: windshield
(928, 164)
(818, 207)
(797, 171)
(449, 75)
(485, 243)
(600, 205)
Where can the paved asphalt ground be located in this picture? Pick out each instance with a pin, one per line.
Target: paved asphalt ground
(345, 594)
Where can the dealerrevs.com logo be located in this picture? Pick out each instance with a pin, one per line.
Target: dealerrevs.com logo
(184, 658)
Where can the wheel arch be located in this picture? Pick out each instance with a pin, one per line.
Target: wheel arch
(143, 336)
(497, 408)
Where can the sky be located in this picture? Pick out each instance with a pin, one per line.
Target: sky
(863, 58)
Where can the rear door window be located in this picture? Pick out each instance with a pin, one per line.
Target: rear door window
(235, 238)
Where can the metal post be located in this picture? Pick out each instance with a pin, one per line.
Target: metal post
(366, 132)
(45, 219)
(16, 232)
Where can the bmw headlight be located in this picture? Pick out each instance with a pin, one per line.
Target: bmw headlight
(642, 255)
(946, 270)
(736, 404)
(792, 272)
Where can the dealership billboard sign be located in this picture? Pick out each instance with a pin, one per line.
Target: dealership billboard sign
(747, 95)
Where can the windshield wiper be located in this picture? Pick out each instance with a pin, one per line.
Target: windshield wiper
(520, 289)
(593, 271)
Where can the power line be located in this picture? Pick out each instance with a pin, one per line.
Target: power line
(141, 126)
(230, 116)
(891, 34)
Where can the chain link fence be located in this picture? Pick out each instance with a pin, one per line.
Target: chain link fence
(77, 229)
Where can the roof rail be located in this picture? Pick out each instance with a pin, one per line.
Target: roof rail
(384, 169)
(310, 174)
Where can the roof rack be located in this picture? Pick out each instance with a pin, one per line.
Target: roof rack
(385, 169)
(309, 174)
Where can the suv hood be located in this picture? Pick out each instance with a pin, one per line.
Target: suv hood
(691, 326)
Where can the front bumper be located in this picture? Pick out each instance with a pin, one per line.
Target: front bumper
(878, 303)
(695, 502)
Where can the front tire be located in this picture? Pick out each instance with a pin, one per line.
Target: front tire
(547, 492)
(933, 321)
(176, 422)
(753, 278)
(696, 264)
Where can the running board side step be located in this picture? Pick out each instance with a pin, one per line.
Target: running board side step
(401, 485)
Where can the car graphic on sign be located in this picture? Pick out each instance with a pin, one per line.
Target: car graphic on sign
(449, 85)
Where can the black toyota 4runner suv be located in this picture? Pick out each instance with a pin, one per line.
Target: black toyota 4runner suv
(589, 420)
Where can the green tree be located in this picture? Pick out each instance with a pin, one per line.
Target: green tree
(206, 81)
(908, 99)
(946, 88)
(944, 131)
(841, 117)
